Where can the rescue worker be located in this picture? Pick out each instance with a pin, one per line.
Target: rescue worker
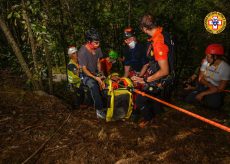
(73, 70)
(110, 64)
(134, 53)
(89, 59)
(215, 74)
(159, 68)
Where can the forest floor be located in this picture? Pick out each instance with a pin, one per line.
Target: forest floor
(39, 128)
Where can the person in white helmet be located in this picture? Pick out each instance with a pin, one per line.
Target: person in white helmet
(74, 80)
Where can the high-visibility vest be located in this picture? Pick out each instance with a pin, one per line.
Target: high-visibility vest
(73, 78)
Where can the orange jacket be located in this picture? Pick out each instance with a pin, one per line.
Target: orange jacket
(160, 48)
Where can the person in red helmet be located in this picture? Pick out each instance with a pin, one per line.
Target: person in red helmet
(215, 74)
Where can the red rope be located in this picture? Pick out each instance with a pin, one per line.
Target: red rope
(225, 128)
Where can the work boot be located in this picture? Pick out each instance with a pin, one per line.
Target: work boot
(135, 116)
(101, 114)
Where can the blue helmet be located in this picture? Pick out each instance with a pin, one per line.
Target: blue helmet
(92, 35)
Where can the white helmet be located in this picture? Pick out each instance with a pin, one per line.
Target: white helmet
(72, 50)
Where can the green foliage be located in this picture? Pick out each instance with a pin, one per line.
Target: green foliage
(51, 20)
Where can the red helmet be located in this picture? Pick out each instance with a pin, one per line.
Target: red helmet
(215, 49)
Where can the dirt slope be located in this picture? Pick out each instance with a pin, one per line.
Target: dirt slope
(43, 125)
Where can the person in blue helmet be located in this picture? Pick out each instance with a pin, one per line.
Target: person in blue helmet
(89, 59)
(134, 53)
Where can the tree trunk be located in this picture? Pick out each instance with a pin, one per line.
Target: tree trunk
(31, 38)
(47, 54)
(17, 52)
(32, 42)
(63, 39)
(49, 68)
(129, 16)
